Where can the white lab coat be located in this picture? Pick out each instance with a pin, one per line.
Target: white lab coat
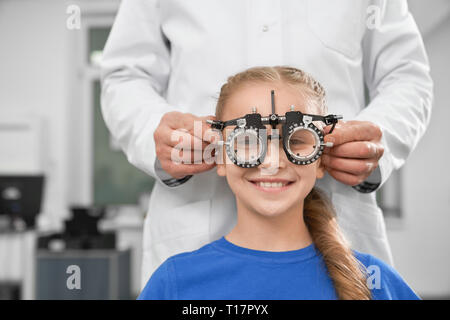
(175, 55)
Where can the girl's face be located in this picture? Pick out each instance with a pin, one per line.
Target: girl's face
(297, 180)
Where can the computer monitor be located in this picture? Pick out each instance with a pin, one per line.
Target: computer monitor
(21, 197)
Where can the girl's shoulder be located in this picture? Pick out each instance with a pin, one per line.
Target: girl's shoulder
(188, 256)
(383, 280)
(163, 283)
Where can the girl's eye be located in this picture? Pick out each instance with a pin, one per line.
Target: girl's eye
(296, 141)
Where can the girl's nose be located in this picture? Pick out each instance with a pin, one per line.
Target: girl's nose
(274, 158)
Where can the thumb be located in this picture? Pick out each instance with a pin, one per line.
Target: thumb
(209, 134)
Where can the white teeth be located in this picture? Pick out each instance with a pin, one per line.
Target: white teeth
(271, 184)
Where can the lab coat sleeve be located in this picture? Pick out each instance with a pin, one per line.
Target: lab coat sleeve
(397, 75)
(135, 72)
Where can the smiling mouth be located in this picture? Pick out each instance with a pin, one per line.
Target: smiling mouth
(271, 186)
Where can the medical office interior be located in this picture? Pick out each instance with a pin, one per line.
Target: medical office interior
(71, 203)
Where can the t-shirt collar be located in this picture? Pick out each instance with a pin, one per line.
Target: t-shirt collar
(308, 252)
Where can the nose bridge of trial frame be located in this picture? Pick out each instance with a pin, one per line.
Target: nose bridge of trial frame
(274, 119)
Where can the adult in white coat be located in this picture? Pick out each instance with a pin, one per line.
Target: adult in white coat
(174, 55)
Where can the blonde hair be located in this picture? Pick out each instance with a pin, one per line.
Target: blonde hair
(347, 273)
(312, 91)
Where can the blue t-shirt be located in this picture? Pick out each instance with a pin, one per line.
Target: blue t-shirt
(222, 270)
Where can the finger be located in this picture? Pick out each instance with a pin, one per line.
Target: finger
(338, 125)
(196, 156)
(180, 139)
(187, 156)
(174, 119)
(356, 149)
(344, 177)
(212, 135)
(190, 123)
(202, 130)
(354, 131)
(351, 166)
(197, 126)
(178, 126)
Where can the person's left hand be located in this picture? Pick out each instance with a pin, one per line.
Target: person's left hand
(356, 151)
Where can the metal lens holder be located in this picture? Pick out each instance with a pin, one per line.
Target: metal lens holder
(296, 121)
(250, 124)
(292, 122)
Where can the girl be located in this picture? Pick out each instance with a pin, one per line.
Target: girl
(286, 243)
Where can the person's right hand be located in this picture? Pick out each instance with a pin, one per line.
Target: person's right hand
(175, 135)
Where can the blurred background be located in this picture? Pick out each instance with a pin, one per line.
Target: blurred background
(71, 204)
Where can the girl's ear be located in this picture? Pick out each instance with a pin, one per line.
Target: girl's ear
(320, 169)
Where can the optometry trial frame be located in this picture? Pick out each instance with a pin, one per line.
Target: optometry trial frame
(303, 142)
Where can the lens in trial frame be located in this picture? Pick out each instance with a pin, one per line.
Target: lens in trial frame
(247, 147)
(303, 143)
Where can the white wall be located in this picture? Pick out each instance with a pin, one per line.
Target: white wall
(421, 245)
(429, 14)
(34, 64)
